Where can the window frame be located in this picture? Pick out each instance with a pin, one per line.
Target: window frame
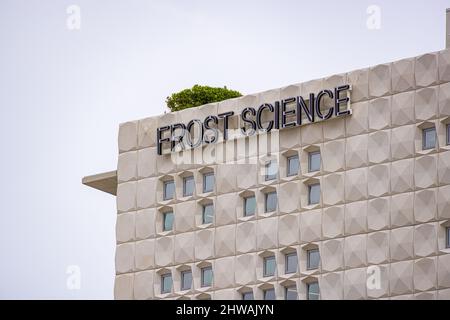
(447, 133)
(424, 134)
(165, 214)
(165, 189)
(265, 259)
(308, 259)
(447, 237)
(268, 177)
(203, 212)
(286, 258)
(310, 186)
(246, 293)
(286, 289)
(246, 214)
(308, 293)
(163, 287)
(202, 276)
(310, 155)
(266, 197)
(183, 274)
(205, 175)
(265, 291)
(185, 179)
(288, 173)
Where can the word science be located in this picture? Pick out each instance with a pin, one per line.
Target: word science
(286, 113)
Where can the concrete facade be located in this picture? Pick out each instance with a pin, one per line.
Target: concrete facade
(384, 201)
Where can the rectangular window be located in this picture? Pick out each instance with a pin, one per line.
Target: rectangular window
(313, 291)
(271, 202)
(290, 293)
(208, 182)
(207, 277)
(208, 213)
(448, 134)
(271, 170)
(269, 266)
(188, 186)
(293, 165)
(247, 295)
(169, 189)
(313, 259)
(249, 206)
(428, 138)
(186, 280)
(166, 283)
(448, 236)
(291, 263)
(314, 193)
(168, 221)
(269, 294)
(314, 161)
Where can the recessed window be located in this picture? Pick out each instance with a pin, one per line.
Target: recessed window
(166, 283)
(291, 263)
(208, 213)
(208, 182)
(290, 293)
(247, 295)
(313, 259)
(271, 202)
(269, 266)
(206, 276)
(314, 193)
(313, 291)
(167, 221)
(314, 161)
(293, 164)
(428, 138)
(188, 186)
(169, 189)
(447, 231)
(269, 294)
(271, 170)
(249, 206)
(186, 280)
(448, 134)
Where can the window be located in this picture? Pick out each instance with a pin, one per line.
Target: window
(208, 213)
(290, 293)
(271, 170)
(428, 138)
(314, 161)
(291, 263)
(293, 165)
(207, 276)
(447, 231)
(188, 186)
(249, 206)
(314, 193)
(313, 259)
(167, 221)
(448, 134)
(313, 291)
(269, 294)
(169, 189)
(271, 201)
(269, 266)
(166, 283)
(186, 280)
(247, 295)
(208, 182)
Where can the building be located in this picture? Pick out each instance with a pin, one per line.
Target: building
(352, 205)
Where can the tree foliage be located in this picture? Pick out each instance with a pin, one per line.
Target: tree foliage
(199, 95)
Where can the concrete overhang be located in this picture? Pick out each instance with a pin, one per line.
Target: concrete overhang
(106, 181)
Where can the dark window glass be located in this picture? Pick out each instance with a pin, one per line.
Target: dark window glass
(166, 283)
(208, 182)
(186, 280)
(271, 170)
(290, 293)
(249, 206)
(293, 165)
(208, 213)
(448, 134)
(247, 296)
(269, 266)
(448, 237)
(429, 138)
(168, 221)
(291, 263)
(314, 193)
(313, 259)
(207, 276)
(188, 186)
(314, 161)
(313, 291)
(169, 190)
(269, 294)
(271, 201)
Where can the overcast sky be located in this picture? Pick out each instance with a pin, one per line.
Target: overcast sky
(64, 92)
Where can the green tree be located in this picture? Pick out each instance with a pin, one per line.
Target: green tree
(199, 95)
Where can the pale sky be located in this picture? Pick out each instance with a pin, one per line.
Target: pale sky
(64, 92)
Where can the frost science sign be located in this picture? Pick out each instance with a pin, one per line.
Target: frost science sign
(286, 113)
